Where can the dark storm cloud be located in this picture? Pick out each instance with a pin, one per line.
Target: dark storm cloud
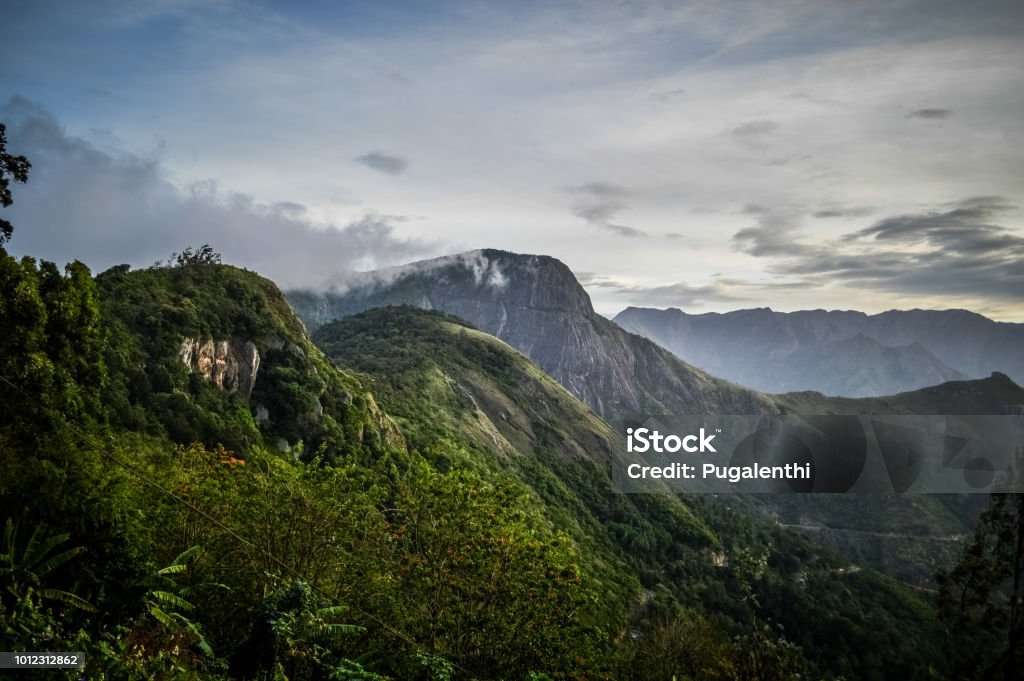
(599, 203)
(384, 163)
(955, 249)
(106, 208)
(931, 114)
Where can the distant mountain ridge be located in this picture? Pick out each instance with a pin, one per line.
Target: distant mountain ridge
(844, 353)
(536, 305)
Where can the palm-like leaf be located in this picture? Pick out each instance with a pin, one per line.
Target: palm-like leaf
(168, 599)
(54, 562)
(166, 606)
(24, 570)
(68, 598)
(32, 559)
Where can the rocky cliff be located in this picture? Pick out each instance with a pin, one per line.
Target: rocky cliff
(189, 344)
(230, 364)
(536, 305)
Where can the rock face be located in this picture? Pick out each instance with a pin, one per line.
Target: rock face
(836, 352)
(535, 304)
(231, 365)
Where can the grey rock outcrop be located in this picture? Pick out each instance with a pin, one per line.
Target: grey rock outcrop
(230, 364)
(536, 305)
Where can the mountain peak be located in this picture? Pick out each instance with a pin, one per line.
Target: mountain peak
(535, 304)
(483, 283)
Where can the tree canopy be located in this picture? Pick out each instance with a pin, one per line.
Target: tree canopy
(12, 168)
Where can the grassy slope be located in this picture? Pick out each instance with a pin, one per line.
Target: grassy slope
(442, 379)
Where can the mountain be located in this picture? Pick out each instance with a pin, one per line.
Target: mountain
(443, 380)
(836, 352)
(220, 499)
(535, 304)
(190, 344)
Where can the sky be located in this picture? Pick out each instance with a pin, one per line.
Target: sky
(710, 155)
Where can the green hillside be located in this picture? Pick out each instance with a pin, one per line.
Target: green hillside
(172, 524)
(194, 490)
(442, 379)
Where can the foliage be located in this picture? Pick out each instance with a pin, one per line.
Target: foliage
(204, 255)
(764, 590)
(309, 406)
(11, 168)
(982, 596)
(477, 538)
(25, 593)
(293, 633)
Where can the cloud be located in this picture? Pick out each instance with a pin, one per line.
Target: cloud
(721, 290)
(677, 294)
(834, 211)
(958, 249)
(755, 128)
(623, 230)
(667, 95)
(776, 233)
(931, 114)
(754, 134)
(962, 226)
(600, 190)
(107, 208)
(389, 165)
(600, 202)
(786, 103)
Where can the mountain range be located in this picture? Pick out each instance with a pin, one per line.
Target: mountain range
(405, 494)
(536, 305)
(836, 352)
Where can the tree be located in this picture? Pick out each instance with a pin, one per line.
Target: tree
(981, 597)
(11, 168)
(204, 255)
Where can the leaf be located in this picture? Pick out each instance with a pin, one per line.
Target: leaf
(55, 561)
(162, 617)
(67, 597)
(172, 569)
(167, 598)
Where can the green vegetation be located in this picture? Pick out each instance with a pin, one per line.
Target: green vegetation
(174, 527)
(981, 597)
(192, 559)
(11, 168)
(751, 592)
